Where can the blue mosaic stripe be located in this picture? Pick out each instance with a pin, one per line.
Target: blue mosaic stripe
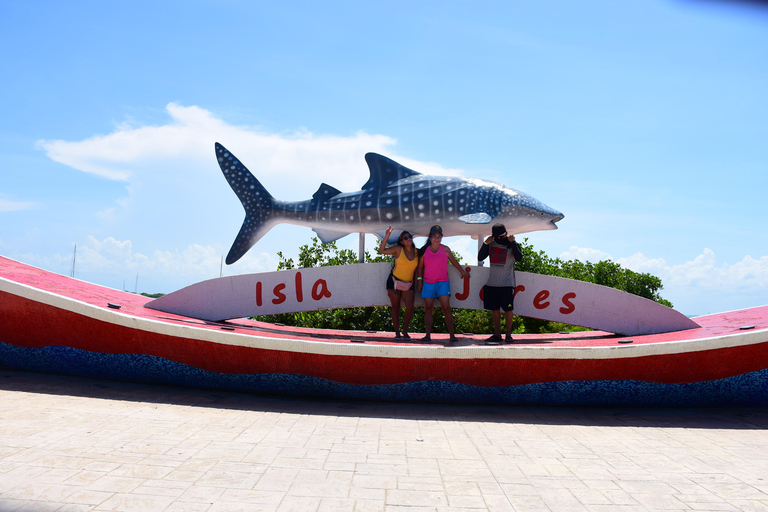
(747, 389)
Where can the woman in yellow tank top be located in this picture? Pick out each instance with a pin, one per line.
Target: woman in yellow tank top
(401, 279)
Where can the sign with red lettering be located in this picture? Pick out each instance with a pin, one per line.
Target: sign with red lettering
(538, 296)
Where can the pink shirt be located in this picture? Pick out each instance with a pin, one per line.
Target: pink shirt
(435, 265)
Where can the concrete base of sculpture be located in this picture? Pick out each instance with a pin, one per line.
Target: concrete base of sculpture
(51, 323)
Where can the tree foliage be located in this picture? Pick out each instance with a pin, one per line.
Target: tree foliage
(606, 273)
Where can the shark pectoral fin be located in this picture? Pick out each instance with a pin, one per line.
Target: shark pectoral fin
(325, 192)
(476, 218)
(329, 235)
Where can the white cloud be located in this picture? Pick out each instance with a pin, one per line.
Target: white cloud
(111, 262)
(584, 254)
(704, 272)
(13, 206)
(111, 255)
(286, 163)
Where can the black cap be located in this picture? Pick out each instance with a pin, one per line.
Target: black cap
(435, 229)
(498, 230)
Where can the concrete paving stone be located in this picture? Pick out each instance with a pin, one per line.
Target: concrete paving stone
(363, 505)
(144, 471)
(200, 493)
(368, 494)
(529, 503)
(240, 507)
(184, 475)
(617, 508)
(299, 504)
(32, 506)
(336, 505)
(381, 469)
(347, 457)
(56, 476)
(424, 483)
(718, 506)
(163, 488)
(32, 491)
(321, 483)
(374, 481)
(398, 497)
(620, 497)
(601, 484)
(589, 497)
(735, 490)
(544, 483)
(133, 502)
(751, 505)
(75, 507)
(115, 484)
(84, 497)
(465, 501)
(265, 498)
(276, 479)
(409, 508)
(468, 469)
(298, 463)
(561, 499)
(498, 503)
(186, 506)
(226, 479)
(646, 487)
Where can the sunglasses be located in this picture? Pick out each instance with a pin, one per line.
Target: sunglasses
(406, 237)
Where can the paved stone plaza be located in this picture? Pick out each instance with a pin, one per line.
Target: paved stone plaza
(72, 444)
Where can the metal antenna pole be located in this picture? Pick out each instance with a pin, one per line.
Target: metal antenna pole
(479, 246)
(74, 259)
(361, 249)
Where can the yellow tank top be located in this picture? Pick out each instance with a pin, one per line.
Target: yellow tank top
(404, 268)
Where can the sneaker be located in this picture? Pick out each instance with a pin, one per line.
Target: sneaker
(493, 340)
(406, 336)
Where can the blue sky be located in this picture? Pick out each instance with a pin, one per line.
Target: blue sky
(644, 122)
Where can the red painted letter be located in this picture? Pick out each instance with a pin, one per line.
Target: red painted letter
(519, 288)
(258, 293)
(320, 289)
(538, 301)
(570, 307)
(299, 291)
(279, 295)
(465, 292)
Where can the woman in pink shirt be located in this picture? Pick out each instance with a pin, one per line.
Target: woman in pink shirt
(433, 273)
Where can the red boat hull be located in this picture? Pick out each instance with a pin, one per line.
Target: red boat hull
(56, 324)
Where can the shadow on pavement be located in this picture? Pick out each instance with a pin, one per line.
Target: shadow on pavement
(102, 389)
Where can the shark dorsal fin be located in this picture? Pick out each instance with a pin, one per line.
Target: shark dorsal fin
(325, 192)
(384, 171)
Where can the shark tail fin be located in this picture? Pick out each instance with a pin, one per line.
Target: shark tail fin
(259, 205)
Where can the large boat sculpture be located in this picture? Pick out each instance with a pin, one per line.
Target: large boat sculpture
(52, 323)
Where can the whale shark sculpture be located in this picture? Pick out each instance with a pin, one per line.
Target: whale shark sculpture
(393, 195)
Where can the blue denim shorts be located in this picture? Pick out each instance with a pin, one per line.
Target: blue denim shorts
(434, 290)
